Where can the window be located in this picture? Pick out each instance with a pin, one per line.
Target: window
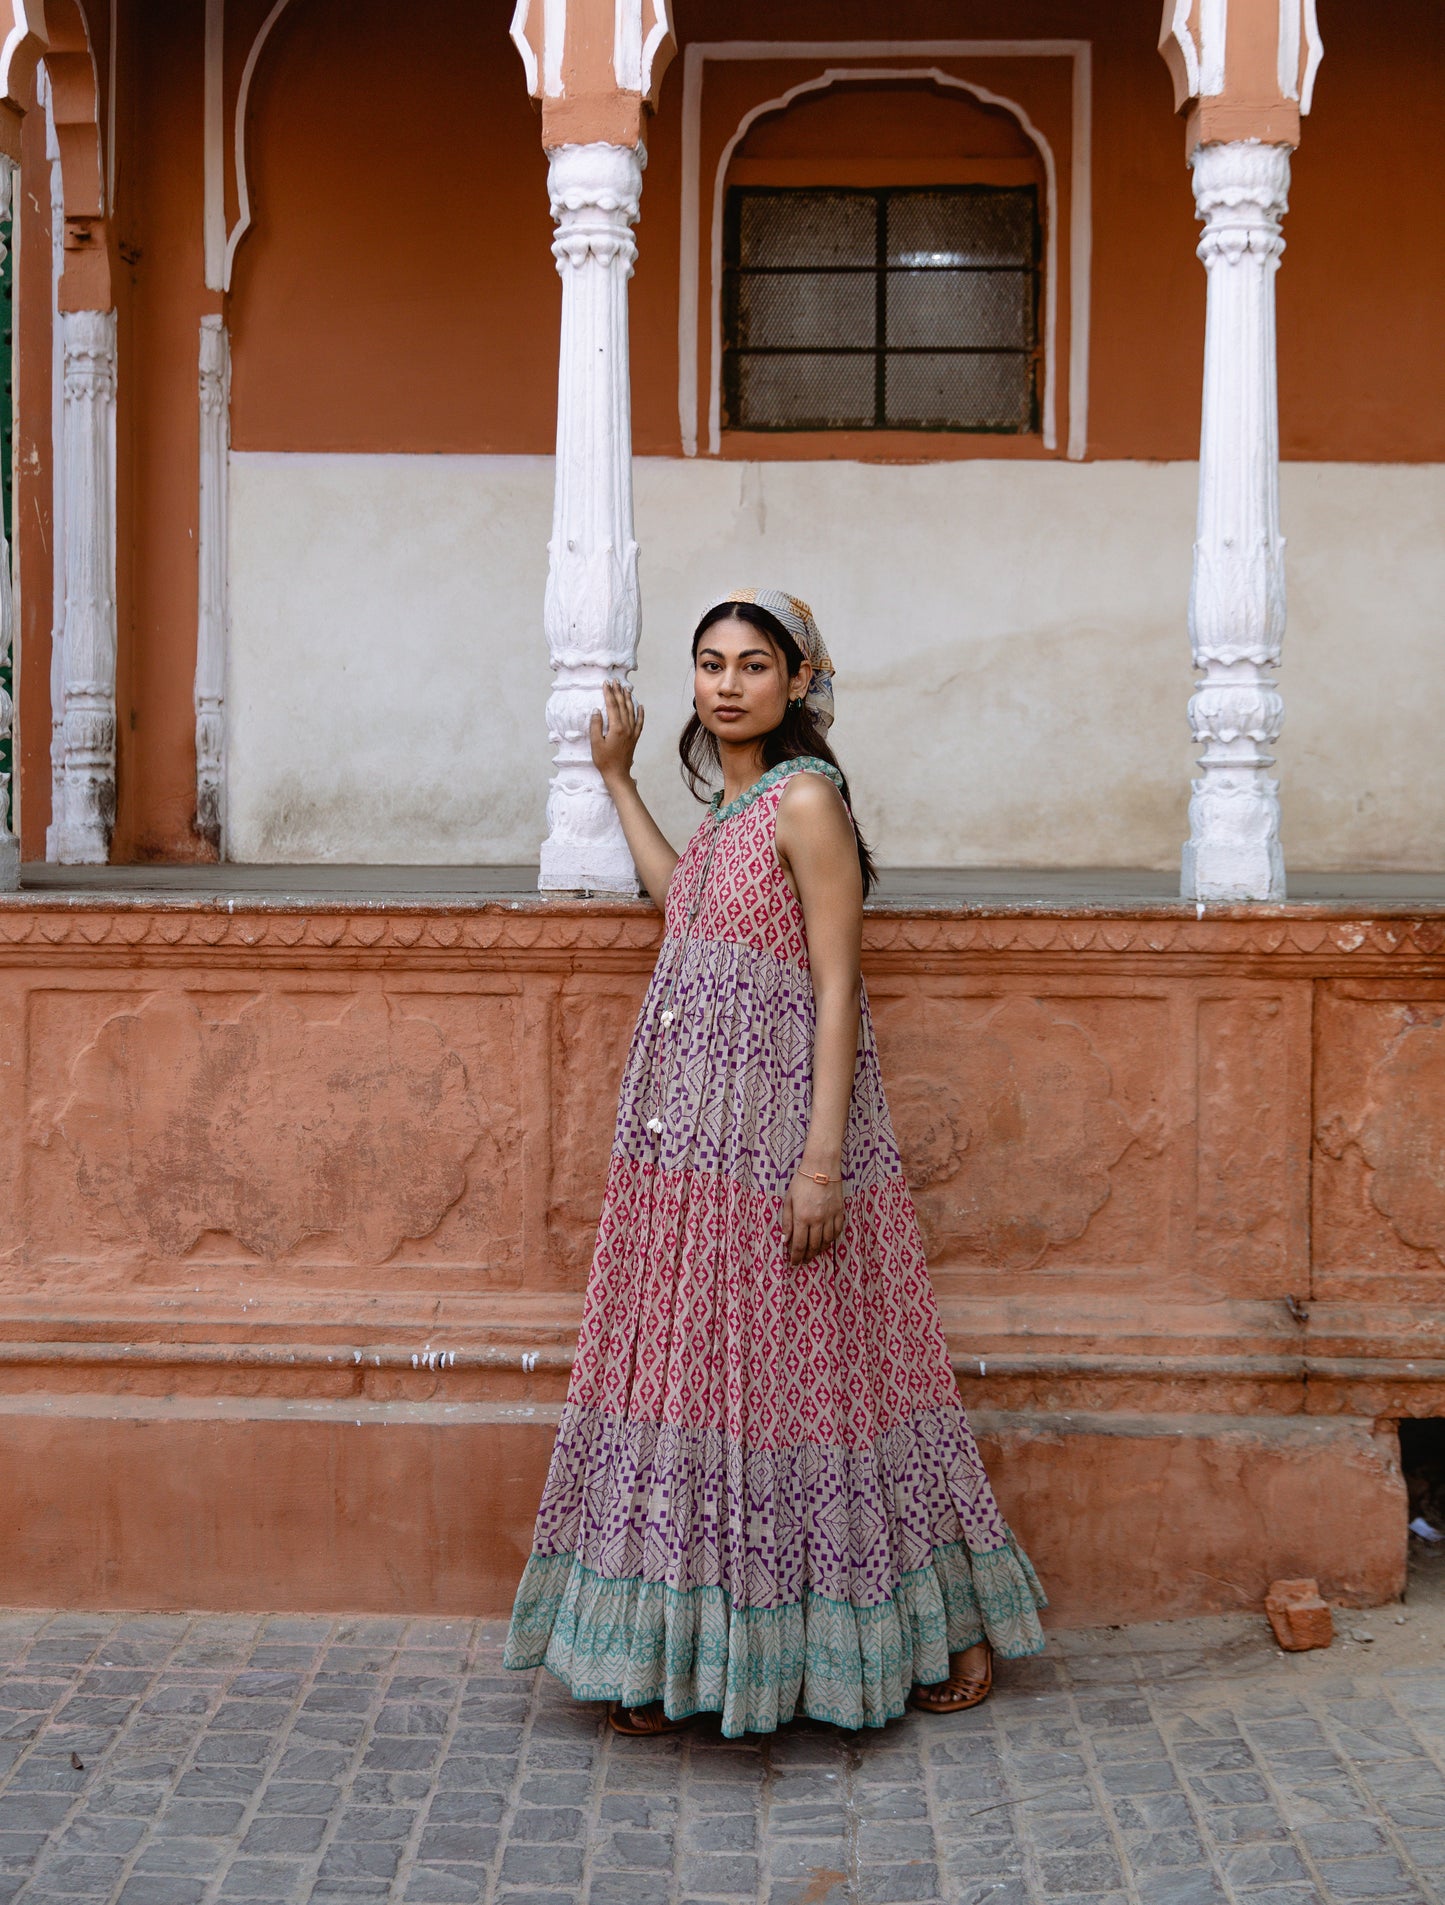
(905, 308)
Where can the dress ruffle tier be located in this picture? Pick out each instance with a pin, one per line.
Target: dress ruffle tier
(636, 1640)
(675, 1565)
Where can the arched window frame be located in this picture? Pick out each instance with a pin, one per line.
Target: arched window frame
(701, 240)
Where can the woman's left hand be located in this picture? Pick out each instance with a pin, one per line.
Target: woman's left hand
(812, 1217)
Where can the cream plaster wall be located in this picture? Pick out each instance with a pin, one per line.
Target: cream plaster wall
(1010, 640)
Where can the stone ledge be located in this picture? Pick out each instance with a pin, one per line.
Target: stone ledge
(427, 1508)
(1002, 889)
(1013, 1353)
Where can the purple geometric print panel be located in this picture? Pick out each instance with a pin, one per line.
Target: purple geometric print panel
(694, 1509)
(729, 1075)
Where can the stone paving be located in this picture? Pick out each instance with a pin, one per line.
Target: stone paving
(162, 1760)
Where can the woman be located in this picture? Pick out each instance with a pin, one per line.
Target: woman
(764, 1498)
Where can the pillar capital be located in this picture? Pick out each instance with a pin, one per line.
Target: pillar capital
(1241, 192)
(594, 65)
(595, 193)
(1242, 69)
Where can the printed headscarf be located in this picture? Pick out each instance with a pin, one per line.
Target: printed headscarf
(797, 618)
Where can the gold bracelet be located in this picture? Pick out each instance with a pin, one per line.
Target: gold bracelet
(818, 1177)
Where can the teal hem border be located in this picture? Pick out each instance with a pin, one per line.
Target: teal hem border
(637, 1641)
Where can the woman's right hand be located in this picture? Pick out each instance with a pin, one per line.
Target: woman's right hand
(614, 746)
(612, 750)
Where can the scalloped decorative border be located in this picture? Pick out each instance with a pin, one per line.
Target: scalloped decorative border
(529, 935)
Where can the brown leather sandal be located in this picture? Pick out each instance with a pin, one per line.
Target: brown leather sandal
(640, 1723)
(956, 1694)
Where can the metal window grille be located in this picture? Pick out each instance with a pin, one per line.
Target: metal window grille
(906, 308)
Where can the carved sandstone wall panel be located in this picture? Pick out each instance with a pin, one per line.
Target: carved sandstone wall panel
(172, 1128)
(12, 1126)
(1252, 1139)
(592, 1024)
(1032, 1128)
(1379, 1128)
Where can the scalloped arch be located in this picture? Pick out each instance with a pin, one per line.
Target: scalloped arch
(902, 75)
(243, 99)
(75, 102)
(77, 109)
(26, 33)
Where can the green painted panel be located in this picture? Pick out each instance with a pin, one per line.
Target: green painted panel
(7, 424)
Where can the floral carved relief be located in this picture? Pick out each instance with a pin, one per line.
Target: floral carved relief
(932, 1127)
(1246, 1191)
(592, 1025)
(1398, 1128)
(1010, 1127)
(188, 1116)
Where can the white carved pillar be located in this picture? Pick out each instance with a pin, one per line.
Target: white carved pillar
(1237, 601)
(9, 845)
(86, 813)
(592, 611)
(57, 476)
(211, 558)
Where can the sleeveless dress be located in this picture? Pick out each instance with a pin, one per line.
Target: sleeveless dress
(764, 1497)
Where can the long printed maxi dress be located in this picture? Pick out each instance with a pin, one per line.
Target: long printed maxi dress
(764, 1497)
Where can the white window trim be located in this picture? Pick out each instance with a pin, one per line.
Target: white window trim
(695, 57)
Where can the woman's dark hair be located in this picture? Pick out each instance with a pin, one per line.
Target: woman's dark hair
(797, 735)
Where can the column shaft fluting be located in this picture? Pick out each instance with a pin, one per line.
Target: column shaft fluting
(1237, 601)
(83, 827)
(593, 611)
(210, 691)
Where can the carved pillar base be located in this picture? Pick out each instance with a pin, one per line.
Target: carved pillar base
(83, 825)
(9, 845)
(592, 612)
(1237, 601)
(82, 831)
(1233, 853)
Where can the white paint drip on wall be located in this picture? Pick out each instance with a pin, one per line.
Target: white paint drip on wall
(1010, 636)
(1288, 69)
(1213, 28)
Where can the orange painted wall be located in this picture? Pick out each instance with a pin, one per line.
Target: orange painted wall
(163, 297)
(397, 289)
(411, 304)
(1362, 286)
